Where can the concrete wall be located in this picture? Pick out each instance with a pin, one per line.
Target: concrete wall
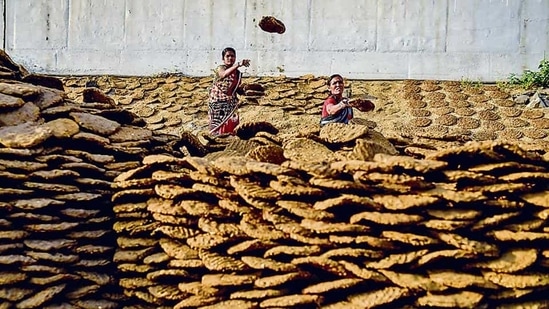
(365, 39)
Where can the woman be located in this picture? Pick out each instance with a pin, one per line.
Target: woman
(336, 107)
(222, 108)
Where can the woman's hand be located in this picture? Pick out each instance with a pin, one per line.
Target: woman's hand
(244, 62)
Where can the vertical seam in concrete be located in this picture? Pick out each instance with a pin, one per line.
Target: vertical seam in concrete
(125, 34)
(376, 27)
(68, 17)
(522, 25)
(310, 18)
(185, 60)
(446, 26)
(67, 32)
(4, 20)
(245, 23)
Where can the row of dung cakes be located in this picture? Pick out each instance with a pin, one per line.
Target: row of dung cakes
(360, 227)
(441, 110)
(428, 111)
(58, 158)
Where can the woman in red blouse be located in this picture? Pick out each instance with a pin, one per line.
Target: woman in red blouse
(336, 107)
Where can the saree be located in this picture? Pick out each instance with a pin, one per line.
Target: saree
(222, 117)
(222, 108)
(341, 117)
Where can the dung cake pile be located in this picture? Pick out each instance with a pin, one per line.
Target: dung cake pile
(450, 110)
(466, 227)
(158, 260)
(429, 112)
(138, 255)
(58, 159)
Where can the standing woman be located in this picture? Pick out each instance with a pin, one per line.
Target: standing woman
(336, 107)
(223, 105)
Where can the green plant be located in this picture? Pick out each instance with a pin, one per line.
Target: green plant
(468, 83)
(502, 84)
(531, 79)
(507, 86)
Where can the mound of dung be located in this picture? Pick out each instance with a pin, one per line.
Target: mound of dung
(58, 159)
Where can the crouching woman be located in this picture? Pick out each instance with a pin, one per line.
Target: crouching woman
(336, 107)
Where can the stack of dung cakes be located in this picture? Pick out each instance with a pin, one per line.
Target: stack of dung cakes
(143, 265)
(236, 231)
(58, 159)
(55, 196)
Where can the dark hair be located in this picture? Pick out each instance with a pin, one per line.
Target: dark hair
(332, 77)
(227, 49)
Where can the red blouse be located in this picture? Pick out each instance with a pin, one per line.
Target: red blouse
(331, 100)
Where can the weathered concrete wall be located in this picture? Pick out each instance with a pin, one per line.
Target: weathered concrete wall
(366, 39)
